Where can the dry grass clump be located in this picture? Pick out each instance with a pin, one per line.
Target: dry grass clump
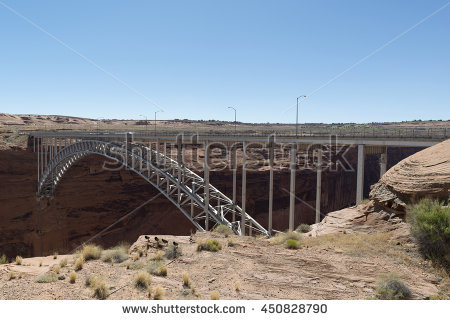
(292, 244)
(116, 254)
(47, 277)
(20, 275)
(186, 280)
(223, 229)
(172, 251)
(391, 287)
(209, 245)
(159, 293)
(215, 295)
(63, 263)
(157, 268)
(72, 277)
(78, 264)
(55, 255)
(57, 269)
(19, 260)
(159, 255)
(11, 275)
(231, 243)
(91, 252)
(142, 280)
(40, 263)
(149, 291)
(136, 265)
(282, 237)
(3, 259)
(98, 286)
(237, 286)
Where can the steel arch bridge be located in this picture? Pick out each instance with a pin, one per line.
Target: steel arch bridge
(185, 189)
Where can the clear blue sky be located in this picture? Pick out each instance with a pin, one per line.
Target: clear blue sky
(196, 58)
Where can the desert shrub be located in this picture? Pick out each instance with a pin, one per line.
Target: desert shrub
(186, 280)
(303, 228)
(100, 289)
(47, 277)
(237, 286)
(11, 275)
(57, 269)
(19, 260)
(55, 255)
(390, 287)
(282, 237)
(135, 265)
(159, 255)
(159, 293)
(149, 291)
(20, 275)
(117, 254)
(430, 226)
(292, 244)
(91, 252)
(209, 245)
(72, 277)
(223, 229)
(142, 280)
(78, 264)
(157, 268)
(63, 263)
(3, 259)
(40, 263)
(215, 295)
(231, 243)
(173, 252)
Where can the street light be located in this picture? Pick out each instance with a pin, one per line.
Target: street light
(296, 118)
(155, 119)
(234, 118)
(145, 121)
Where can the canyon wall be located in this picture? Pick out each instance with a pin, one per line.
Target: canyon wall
(90, 199)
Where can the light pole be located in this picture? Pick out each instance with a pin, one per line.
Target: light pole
(234, 118)
(296, 118)
(146, 122)
(155, 119)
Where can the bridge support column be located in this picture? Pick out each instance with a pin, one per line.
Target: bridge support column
(38, 159)
(244, 188)
(180, 163)
(206, 178)
(383, 160)
(318, 184)
(292, 189)
(360, 175)
(234, 168)
(157, 161)
(271, 155)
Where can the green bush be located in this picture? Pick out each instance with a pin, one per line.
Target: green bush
(3, 259)
(430, 226)
(47, 278)
(390, 287)
(303, 228)
(292, 244)
(209, 245)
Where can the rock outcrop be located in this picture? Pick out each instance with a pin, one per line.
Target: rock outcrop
(424, 174)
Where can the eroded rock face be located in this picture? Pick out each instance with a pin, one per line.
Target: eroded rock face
(424, 174)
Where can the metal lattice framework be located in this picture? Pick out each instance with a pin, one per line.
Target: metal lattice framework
(185, 189)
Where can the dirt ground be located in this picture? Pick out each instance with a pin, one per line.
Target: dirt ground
(333, 266)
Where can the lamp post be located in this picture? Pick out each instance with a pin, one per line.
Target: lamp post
(296, 118)
(155, 119)
(234, 118)
(146, 122)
